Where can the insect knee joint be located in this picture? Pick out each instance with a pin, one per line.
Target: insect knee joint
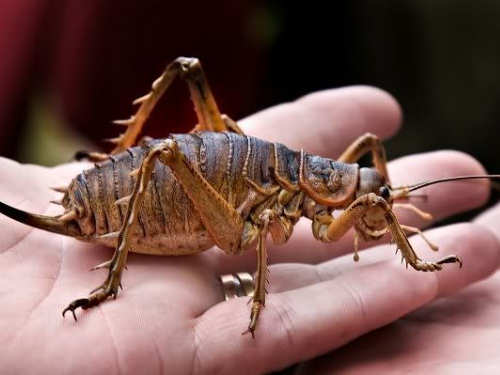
(188, 66)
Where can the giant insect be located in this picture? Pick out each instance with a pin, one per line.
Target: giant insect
(217, 186)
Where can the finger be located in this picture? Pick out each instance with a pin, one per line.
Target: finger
(326, 122)
(68, 171)
(306, 322)
(443, 200)
(21, 181)
(490, 219)
(28, 187)
(287, 276)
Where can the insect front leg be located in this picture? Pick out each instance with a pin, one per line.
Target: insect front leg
(327, 229)
(113, 281)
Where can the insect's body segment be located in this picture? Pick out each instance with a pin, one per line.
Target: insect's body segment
(185, 193)
(252, 175)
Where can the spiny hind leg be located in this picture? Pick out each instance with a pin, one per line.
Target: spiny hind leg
(231, 125)
(118, 262)
(222, 221)
(327, 229)
(209, 116)
(365, 143)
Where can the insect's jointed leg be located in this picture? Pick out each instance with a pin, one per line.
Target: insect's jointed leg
(94, 157)
(118, 261)
(421, 234)
(407, 251)
(222, 221)
(231, 125)
(416, 210)
(259, 296)
(367, 142)
(326, 228)
(189, 69)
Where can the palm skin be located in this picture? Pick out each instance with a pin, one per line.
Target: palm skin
(170, 318)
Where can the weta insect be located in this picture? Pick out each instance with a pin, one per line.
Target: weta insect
(217, 186)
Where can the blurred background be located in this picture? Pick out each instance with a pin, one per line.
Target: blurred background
(69, 67)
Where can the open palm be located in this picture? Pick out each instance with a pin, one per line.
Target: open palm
(171, 317)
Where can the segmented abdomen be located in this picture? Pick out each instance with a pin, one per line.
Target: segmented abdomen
(168, 220)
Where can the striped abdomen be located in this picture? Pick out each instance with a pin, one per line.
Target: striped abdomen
(168, 222)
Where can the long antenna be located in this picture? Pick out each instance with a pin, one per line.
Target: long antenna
(432, 182)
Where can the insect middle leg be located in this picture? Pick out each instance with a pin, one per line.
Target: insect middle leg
(365, 143)
(327, 229)
(259, 296)
(371, 143)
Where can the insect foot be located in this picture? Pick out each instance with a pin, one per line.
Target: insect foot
(437, 266)
(108, 289)
(254, 317)
(81, 302)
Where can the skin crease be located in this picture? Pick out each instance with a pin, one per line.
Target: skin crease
(170, 318)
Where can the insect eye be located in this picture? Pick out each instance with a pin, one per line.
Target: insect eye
(384, 192)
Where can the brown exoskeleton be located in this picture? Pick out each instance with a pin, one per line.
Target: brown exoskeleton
(217, 186)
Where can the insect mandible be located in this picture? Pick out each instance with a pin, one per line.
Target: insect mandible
(217, 186)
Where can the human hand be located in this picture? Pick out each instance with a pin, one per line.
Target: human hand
(171, 319)
(457, 334)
